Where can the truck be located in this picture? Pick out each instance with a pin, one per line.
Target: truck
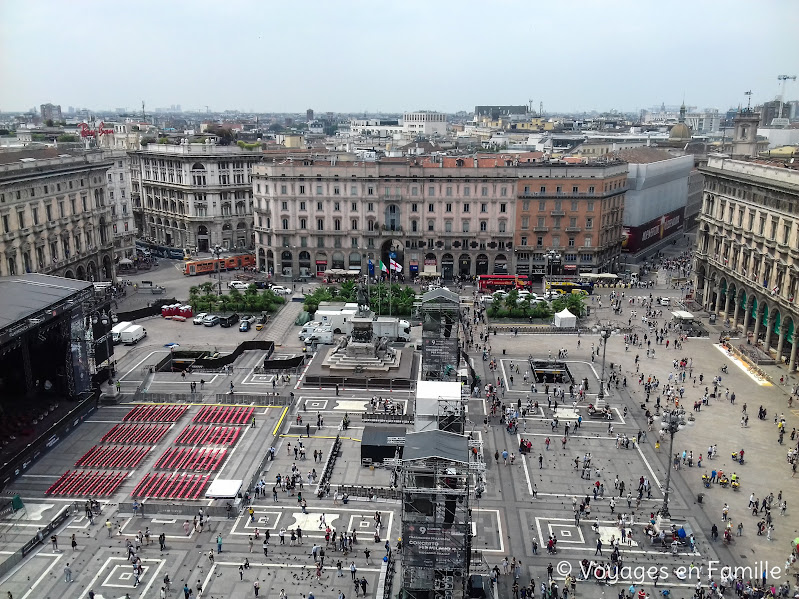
(133, 334)
(118, 328)
(323, 334)
(308, 328)
(392, 328)
(337, 318)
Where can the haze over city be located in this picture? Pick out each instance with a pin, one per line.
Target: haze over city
(352, 56)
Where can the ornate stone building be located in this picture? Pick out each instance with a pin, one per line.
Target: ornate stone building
(194, 195)
(747, 255)
(55, 215)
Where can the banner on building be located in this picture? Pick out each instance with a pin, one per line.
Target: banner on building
(635, 239)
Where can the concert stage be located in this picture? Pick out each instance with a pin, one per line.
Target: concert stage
(54, 333)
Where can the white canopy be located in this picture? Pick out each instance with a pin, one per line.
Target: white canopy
(565, 319)
(682, 315)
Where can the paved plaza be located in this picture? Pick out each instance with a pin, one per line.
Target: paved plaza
(525, 502)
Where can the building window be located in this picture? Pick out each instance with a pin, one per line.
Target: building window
(525, 222)
(354, 207)
(465, 226)
(503, 192)
(302, 206)
(431, 208)
(591, 190)
(449, 191)
(484, 191)
(574, 190)
(431, 225)
(414, 226)
(284, 205)
(448, 226)
(555, 241)
(539, 241)
(370, 207)
(448, 207)
(320, 224)
(337, 206)
(589, 223)
(571, 242)
(283, 190)
(431, 191)
(354, 224)
(467, 191)
(483, 225)
(285, 224)
(318, 190)
(588, 241)
(503, 207)
(523, 242)
(303, 223)
(414, 191)
(502, 226)
(337, 224)
(21, 219)
(574, 205)
(542, 206)
(414, 207)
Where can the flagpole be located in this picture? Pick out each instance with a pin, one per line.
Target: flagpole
(390, 268)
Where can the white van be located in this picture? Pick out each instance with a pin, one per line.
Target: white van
(118, 328)
(133, 334)
(309, 328)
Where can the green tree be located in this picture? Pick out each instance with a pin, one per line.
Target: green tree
(573, 302)
(147, 140)
(525, 306)
(511, 300)
(66, 137)
(49, 122)
(163, 140)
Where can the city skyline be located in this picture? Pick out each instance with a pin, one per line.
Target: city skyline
(256, 57)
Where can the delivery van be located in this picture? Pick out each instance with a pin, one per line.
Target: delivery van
(133, 334)
(118, 328)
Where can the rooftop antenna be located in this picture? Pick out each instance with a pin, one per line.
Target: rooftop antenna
(784, 78)
(749, 100)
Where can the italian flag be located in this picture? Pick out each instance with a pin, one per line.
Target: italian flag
(383, 266)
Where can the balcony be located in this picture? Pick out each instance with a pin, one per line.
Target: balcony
(74, 217)
(557, 213)
(38, 228)
(573, 229)
(540, 229)
(501, 234)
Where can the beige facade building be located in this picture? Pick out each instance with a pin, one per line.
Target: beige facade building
(452, 215)
(55, 215)
(194, 195)
(747, 255)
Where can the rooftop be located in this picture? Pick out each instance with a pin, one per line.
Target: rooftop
(642, 155)
(436, 444)
(25, 295)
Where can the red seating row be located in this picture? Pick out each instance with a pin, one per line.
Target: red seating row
(136, 434)
(113, 456)
(208, 435)
(224, 415)
(185, 458)
(172, 486)
(98, 484)
(155, 413)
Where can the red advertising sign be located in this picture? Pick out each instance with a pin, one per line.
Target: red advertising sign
(635, 239)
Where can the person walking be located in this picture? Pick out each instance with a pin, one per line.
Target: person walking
(353, 570)
(256, 586)
(108, 527)
(219, 543)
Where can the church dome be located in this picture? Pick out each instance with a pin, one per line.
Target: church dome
(680, 131)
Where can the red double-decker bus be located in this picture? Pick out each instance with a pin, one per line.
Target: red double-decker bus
(490, 283)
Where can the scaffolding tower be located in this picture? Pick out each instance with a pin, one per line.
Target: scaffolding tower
(439, 311)
(438, 469)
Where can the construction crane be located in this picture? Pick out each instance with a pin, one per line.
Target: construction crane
(784, 79)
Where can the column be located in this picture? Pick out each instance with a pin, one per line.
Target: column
(794, 345)
(758, 320)
(726, 305)
(27, 369)
(747, 314)
(718, 300)
(769, 331)
(781, 341)
(735, 312)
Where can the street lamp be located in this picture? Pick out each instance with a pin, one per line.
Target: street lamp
(671, 424)
(604, 333)
(217, 251)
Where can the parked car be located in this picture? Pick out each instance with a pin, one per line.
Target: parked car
(240, 285)
(200, 317)
(228, 321)
(244, 326)
(211, 320)
(261, 285)
(280, 290)
(664, 301)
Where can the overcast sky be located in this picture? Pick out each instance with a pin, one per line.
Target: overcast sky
(352, 56)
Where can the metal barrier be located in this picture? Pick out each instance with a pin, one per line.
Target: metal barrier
(174, 509)
(387, 418)
(254, 399)
(389, 577)
(370, 492)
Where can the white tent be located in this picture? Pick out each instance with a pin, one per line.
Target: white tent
(565, 319)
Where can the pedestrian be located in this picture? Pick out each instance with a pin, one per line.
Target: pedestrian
(219, 543)
(256, 587)
(67, 573)
(74, 542)
(353, 570)
(108, 527)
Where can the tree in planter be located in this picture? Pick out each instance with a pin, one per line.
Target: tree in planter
(573, 302)
(512, 300)
(525, 306)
